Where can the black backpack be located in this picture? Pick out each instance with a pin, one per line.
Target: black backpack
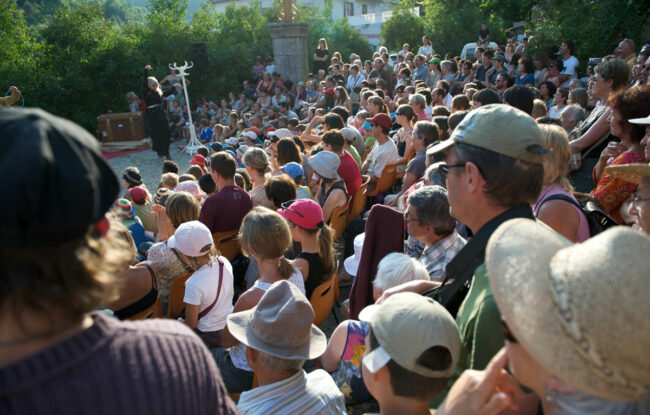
(597, 218)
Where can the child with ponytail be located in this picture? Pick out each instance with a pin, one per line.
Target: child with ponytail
(265, 235)
(316, 260)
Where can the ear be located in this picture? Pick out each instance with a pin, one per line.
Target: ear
(473, 179)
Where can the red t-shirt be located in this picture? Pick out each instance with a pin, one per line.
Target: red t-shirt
(225, 210)
(350, 173)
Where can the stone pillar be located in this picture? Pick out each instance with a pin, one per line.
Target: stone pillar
(290, 49)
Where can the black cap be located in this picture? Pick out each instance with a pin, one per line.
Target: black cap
(56, 181)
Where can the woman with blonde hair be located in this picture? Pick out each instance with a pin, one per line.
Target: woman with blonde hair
(257, 165)
(321, 56)
(265, 235)
(556, 206)
(179, 207)
(154, 114)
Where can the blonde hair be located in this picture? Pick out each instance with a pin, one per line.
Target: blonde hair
(257, 159)
(556, 163)
(169, 180)
(267, 235)
(182, 207)
(539, 109)
(321, 41)
(152, 81)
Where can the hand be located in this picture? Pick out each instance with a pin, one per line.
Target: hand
(410, 287)
(613, 149)
(318, 118)
(13, 89)
(157, 210)
(482, 392)
(148, 67)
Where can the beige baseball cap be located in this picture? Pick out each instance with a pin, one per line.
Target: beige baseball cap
(500, 128)
(407, 324)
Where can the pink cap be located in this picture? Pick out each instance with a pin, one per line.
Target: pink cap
(304, 213)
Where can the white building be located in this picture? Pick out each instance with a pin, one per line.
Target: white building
(365, 15)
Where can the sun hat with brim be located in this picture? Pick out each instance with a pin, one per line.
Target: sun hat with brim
(643, 121)
(191, 187)
(580, 310)
(499, 128)
(281, 324)
(629, 172)
(407, 324)
(351, 263)
(305, 213)
(325, 164)
(191, 238)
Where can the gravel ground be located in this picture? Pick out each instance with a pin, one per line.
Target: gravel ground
(150, 165)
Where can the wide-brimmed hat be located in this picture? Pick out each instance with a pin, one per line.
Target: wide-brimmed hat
(325, 164)
(629, 172)
(405, 326)
(580, 310)
(501, 129)
(351, 263)
(281, 324)
(191, 187)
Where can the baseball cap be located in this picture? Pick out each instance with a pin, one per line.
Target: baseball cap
(382, 119)
(190, 238)
(280, 133)
(641, 121)
(500, 57)
(406, 325)
(250, 135)
(499, 128)
(293, 169)
(137, 193)
(305, 213)
(198, 160)
(434, 60)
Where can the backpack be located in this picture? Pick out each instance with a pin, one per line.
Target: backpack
(597, 219)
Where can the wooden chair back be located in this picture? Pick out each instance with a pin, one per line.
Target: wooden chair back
(153, 311)
(359, 202)
(386, 180)
(227, 243)
(175, 306)
(339, 220)
(322, 299)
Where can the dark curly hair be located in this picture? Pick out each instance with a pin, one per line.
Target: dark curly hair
(632, 103)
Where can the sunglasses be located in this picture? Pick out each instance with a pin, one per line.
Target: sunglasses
(507, 334)
(285, 206)
(443, 168)
(374, 124)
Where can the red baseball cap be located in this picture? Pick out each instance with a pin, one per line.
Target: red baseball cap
(198, 160)
(304, 213)
(137, 193)
(382, 119)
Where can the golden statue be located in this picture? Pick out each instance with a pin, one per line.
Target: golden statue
(288, 11)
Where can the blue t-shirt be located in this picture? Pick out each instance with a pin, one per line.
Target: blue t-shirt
(528, 79)
(206, 135)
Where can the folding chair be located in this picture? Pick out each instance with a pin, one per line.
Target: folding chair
(339, 220)
(386, 180)
(176, 305)
(359, 202)
(227, 243)
(322, 300)
(153, 311)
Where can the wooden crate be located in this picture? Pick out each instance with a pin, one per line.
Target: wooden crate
(126, 126)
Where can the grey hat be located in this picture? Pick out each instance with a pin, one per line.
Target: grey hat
(325, 164)
(281, 324)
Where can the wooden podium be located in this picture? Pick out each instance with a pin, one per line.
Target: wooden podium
(119, 127)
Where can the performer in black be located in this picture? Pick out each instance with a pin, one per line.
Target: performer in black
(154, 115)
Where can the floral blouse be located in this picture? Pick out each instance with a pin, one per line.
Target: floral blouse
(612, 192)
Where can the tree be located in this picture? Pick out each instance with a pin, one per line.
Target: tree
(403, 27)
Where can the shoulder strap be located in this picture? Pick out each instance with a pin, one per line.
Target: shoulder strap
(211, 306)
(187, 267)
(564, 198)
(153, 276)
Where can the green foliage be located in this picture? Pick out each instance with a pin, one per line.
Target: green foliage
(596, 27)
(403, 27)
(39, 12)
(169, 13)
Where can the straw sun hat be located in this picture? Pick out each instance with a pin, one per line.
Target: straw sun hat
(629, 172)
(581, 310)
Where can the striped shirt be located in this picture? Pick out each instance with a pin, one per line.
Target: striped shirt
(314, 393)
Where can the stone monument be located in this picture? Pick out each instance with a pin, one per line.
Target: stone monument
(290, 49)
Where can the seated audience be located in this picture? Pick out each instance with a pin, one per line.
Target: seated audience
(257, 165)
(327, 186)
(348, 170)
(280, 189)
(384, 151)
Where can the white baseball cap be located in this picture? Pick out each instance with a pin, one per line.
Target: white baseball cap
(281, 133)
(249, 134)
(191, 238)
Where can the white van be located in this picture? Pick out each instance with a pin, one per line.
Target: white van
(470, 49)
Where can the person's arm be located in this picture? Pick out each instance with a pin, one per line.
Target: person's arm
(332, 357)
(561, 217)
(613, 149)
(13, 98)
(597, 130)
(348, 104)
(335, 199)
(417, 286)
(307, 135)
(302, 266)
(246, 301)
(407, 182)
(564, 77)
(191, 315)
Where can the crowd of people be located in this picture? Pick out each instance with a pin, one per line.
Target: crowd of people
(498, 248)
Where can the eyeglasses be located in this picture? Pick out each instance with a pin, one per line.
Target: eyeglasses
(507, 334)
(636, 198)
(407, 218)
(285, 206)
(443, 168)
(374, 124)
